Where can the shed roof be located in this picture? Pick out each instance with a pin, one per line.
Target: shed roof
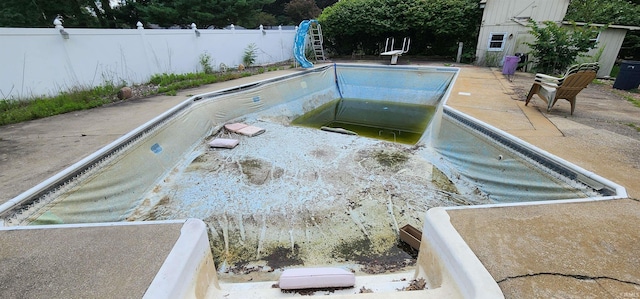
(603, 25)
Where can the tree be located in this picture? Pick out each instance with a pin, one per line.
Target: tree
(276, 8)
(324, 3)
(126, 13)
(557, 47)
(41, 13)
(239, 12)
(617, 12)
(298, 10)
(365, 24)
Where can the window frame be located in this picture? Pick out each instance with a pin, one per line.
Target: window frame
(491, 40)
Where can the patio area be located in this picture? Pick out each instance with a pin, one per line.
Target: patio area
(572, 250)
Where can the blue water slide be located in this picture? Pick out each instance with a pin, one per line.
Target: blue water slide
(300, 42)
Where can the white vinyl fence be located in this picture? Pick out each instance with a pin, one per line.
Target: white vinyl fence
(47, 61)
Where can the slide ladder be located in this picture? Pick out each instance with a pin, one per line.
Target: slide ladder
(316, 41)
(300, 42)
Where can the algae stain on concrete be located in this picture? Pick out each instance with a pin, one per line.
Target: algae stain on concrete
(372, 258)
(282, 256)
(255, 170)
(391, 159)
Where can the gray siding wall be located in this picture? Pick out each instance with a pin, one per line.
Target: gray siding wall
(611, 41)
(511, 16)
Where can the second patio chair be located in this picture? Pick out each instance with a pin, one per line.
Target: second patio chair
(551, 89)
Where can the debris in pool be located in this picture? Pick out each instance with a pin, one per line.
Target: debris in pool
(224, 143)
(411, 236)
(234, 127)
(315, 278)
(338, 130)
(244, 129)
(415, 285)
(251, 131)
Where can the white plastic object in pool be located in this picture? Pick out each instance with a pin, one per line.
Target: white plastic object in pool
(314, 278)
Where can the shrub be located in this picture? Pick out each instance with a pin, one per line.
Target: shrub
(435, 26)
(250, 54)
(555, 47)
(205, 63)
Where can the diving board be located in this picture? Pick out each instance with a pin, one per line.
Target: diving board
(389, 51)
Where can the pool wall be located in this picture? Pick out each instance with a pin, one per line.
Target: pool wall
(110, 184)
(512, 171)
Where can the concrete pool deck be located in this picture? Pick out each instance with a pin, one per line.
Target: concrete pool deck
(576, 250)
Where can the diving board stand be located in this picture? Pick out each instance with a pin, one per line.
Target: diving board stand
(389, 51)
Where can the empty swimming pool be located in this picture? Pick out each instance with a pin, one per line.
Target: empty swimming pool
(297, 195)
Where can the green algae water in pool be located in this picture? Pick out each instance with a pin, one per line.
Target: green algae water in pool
(386, 120)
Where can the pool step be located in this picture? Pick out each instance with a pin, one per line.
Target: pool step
(382, 284)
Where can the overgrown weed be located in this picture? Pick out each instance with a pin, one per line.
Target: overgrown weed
(19, 110)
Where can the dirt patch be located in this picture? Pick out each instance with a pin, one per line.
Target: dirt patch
(373, 260)
(598, 106)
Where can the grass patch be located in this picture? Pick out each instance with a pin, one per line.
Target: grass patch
(634, 126)
(599, 82)
(170, 83)
(629, 98)
(15, 111)
(615, 70)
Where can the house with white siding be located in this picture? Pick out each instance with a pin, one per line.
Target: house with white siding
(504, 32)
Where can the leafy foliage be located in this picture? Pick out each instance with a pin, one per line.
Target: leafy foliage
(557, 47)
(277, 9)
(250, 54)
(619, 12)
(435, 26)
(298, 10)
(204, 13)
(205, 61)
(100, 13)
(18, 13)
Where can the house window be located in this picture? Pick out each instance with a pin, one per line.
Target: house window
(496, 41)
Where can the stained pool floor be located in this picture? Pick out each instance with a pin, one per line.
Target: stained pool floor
(298, 196)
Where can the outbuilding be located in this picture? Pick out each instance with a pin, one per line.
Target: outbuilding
(504, 32)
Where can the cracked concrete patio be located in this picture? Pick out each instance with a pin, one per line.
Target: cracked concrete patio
(572, 250)
(577, 250)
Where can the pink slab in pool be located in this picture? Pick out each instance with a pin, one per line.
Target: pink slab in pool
(234, 127)
(223, 143)
(251, 131)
